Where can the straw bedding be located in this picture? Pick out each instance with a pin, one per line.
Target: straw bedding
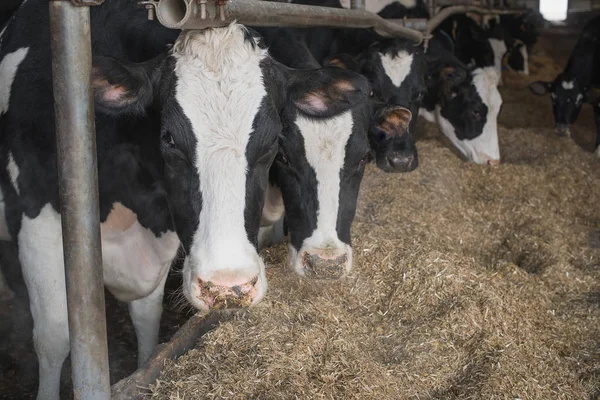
(469, 282)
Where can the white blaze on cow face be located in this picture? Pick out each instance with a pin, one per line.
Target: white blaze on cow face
(325, 146)
(524, 54)
(220, 89)
(499, 48)
(485, 148)
(397, 67)
(8, 69)
(568, 85)
(13, 171)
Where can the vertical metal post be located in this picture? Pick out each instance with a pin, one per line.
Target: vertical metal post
(78, 191)
(357, 4)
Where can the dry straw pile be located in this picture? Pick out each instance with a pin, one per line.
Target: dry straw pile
(469, 282)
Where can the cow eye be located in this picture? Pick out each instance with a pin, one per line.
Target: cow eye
(281, 158)
(167, 138)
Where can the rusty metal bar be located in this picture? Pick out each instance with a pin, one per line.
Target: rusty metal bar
(78, 193)
(183, 14)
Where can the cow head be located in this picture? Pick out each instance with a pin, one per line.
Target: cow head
(395, 69)
(218, 137)
(466, 106)
(567, 95)
(323, 150)
(516, 58)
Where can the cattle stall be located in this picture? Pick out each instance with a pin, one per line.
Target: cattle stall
(410, 278)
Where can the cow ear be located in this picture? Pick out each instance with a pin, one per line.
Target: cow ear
(592, 96)
(120, 87)
(345, 61)
(393, 121)
(328, 91)
(452, 74)
(540, 88)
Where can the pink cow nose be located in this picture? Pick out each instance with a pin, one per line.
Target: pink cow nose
(222, 296)
(324, 263)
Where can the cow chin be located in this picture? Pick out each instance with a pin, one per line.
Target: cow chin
(328, 263)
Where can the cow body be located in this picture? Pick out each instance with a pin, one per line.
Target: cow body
(578, 83)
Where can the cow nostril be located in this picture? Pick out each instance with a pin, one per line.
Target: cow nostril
(237, 290)
(493, 162)
(317, 267)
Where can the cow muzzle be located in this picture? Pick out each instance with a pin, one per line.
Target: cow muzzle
(226, 289)
(563, 130)
(323, 263)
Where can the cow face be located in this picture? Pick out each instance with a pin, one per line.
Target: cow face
(466, 108)
(218, 129)
(323, 149)
(395, 69)
(567, 97)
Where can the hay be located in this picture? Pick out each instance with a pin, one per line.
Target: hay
(469, 282)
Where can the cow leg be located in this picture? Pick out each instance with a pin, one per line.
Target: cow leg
(271, 235)
(597, 118)
(41, 256)
(145, 315)
(5, 292)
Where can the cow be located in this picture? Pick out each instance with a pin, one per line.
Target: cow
(577, 84)
(317, 172)
(395, 68)
(463, 100)
(187, 129)
(512, 37)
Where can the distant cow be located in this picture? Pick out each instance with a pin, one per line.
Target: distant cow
(186, 135)
(464, 101)
(578, 83)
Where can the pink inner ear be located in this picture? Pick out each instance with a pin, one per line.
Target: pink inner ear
(114, 93)
(311, 103)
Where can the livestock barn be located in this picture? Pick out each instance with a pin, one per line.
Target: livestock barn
(300, 199)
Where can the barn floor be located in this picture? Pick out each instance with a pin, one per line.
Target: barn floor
(469, 282)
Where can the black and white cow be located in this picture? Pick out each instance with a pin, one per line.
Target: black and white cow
(395, 69)
(317, 173)
(512, 37)
(578, 83)
(185, 137)
(465, 102)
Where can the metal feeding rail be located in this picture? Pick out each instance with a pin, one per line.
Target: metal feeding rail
(76, 137)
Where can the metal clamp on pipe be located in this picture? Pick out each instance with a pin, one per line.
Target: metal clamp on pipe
(83, 3)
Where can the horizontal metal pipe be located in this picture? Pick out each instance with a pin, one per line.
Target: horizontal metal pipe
(78, 194)
(186, 14)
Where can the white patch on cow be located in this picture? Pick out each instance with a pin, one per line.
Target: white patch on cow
(13, 172)
(568, 85)
(597, 152)
(524, 54)
(135, 260)
(8, 70)
(485, 147)
(41, 256)
(220, 89)
(428, 115)
(499, 48)
(579, 99)
(325, 146)
(397, 67)
(3, 30)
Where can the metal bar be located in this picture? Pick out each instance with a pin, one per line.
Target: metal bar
(78, 193)
(435, 21)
